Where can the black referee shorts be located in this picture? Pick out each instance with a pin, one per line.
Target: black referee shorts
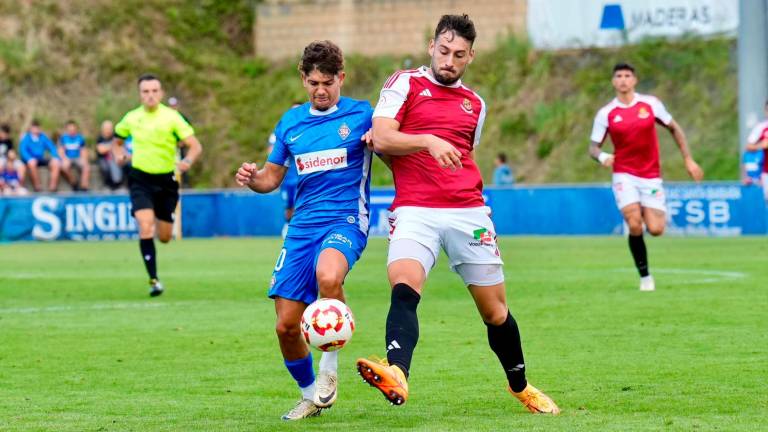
(159, 192)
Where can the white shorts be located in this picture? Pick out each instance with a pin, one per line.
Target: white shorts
(629, 189)
(467, 236)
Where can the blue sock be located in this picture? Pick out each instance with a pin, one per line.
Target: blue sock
(302, 370)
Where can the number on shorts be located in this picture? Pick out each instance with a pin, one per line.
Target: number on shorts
(280, 260)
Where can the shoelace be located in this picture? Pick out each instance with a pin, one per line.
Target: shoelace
(329, 384)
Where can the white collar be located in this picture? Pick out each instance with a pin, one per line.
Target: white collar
(629, 105)
(330, 110)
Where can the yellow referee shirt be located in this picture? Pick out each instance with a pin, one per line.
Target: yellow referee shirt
(154, 135)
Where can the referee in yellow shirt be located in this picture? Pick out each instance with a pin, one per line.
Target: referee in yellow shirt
(155, 129)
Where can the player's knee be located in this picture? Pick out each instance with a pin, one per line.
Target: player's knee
(656, 230)
(635, 226)
(495, 316)
(164, 238)
(287, 330)
(329, 283)
(147, 230)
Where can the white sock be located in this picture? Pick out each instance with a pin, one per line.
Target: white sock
(329, 361)
(308, 392)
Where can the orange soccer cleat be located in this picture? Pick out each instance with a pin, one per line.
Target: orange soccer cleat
(390, 380)
(536, 401)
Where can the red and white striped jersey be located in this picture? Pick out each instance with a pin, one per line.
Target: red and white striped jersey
(454, 113)
(759, 133)
(632, 129)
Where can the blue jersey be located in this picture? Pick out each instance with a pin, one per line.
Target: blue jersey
(72, 145)
(332, 163)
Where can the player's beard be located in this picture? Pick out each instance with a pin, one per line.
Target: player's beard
(443, 79)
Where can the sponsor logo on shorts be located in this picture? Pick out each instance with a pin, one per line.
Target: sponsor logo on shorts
(337, 238)
(350, 219)
(325, 160)
(272, 282)
(484, 237)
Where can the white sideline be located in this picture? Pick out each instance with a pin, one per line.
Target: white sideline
(103, 306)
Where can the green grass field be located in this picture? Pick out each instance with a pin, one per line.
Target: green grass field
(83, 348)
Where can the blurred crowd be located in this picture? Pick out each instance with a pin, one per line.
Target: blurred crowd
(66, 154)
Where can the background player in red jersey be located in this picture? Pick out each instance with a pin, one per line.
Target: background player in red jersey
(630, 120)
(758, 141)
(429, 123)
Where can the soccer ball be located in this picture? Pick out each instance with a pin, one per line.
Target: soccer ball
(327, 324)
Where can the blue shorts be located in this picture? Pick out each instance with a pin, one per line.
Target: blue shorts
(288, 192)
(294, 275)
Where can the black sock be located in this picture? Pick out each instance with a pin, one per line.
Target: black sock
(504, 340)
(402, 326)
(147, 247)
(639, 253)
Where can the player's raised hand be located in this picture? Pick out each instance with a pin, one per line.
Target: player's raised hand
(444, 153)
(694, 170)
(245, 173)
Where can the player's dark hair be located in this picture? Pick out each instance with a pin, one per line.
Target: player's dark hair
(325, 56)
(35, 123)
(502, 157)
(71, 122)
(460, 25)
(5, 128)
(147, 77)
(623, 66)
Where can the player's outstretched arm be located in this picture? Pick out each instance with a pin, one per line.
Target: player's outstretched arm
(691, 166)
(387, 139)
(596, 152)
(262, 180)
(760, 145)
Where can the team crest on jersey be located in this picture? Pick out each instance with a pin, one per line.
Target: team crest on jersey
(643, 113)
(466, 105)
(344, 131)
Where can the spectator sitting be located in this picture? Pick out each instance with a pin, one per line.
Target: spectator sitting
(6, 146)
(111, 172)
(502, 174)
(12, 177)
(32, 148)
(74, 154)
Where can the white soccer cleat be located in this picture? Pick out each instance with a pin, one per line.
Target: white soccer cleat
(647, 283)
(304, 408)
(325, 389)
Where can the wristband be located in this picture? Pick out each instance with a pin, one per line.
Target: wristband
(187, 161)
(603, 156)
